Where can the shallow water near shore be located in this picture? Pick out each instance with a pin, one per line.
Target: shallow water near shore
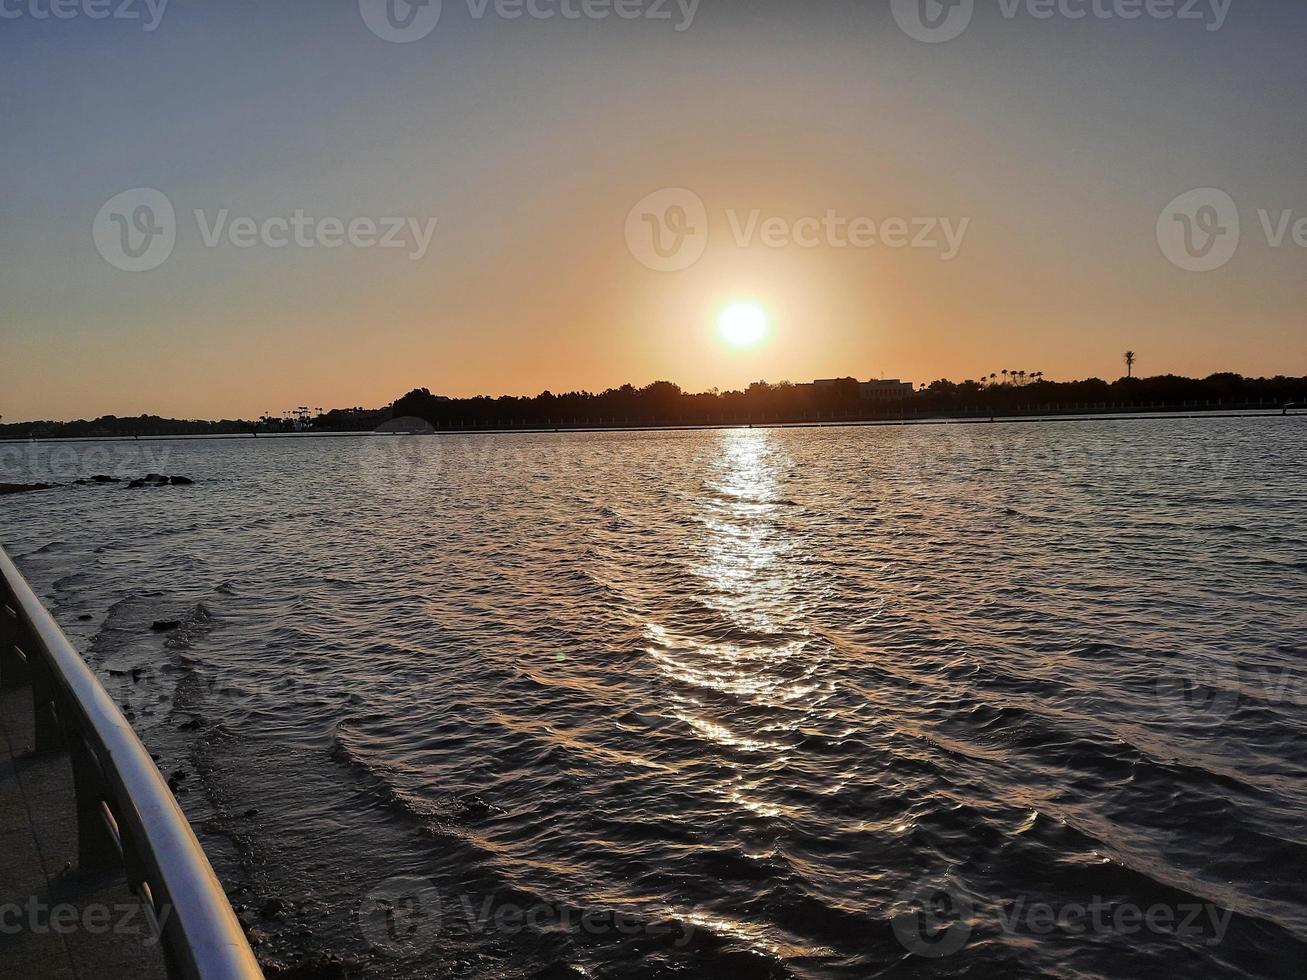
(719, 703)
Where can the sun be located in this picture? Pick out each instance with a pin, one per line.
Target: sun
(742, 324)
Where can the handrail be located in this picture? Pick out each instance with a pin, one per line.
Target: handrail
(126, 813)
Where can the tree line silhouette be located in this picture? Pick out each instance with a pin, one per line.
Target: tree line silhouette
(665, 403)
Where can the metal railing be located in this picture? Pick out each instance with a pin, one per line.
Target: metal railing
(127, 819)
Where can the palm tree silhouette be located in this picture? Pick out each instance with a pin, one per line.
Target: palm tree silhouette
(1129, 364)
(1004, 372)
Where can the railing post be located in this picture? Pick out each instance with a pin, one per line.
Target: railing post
(49, 735)
(14, 670)
(97, 849)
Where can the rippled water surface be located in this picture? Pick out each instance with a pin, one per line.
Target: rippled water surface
(845, 702)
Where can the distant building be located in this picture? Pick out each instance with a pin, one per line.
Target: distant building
(891, 390)
(885, 391)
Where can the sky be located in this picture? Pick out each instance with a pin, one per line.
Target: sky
(1009, 188)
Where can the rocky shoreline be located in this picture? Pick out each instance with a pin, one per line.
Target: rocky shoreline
(149, 480)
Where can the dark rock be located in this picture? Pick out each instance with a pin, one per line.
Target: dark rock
(181, 481)
(473, 807)
(748, 965)
(153, 480)
(164, 625)
(272, 908)
(190, 726)
(85, 616)
(101, 478)
(250, 814)
(559, 971)
(324, 967)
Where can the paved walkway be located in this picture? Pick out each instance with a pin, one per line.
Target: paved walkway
(54, 922)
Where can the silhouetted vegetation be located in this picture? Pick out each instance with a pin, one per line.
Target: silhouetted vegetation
(113, 426)
(664, 403)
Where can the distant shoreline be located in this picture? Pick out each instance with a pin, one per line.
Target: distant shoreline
(1124, 415)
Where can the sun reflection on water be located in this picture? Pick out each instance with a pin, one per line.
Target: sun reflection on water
(745, 652)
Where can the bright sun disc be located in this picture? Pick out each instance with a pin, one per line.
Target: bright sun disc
(742, 325)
